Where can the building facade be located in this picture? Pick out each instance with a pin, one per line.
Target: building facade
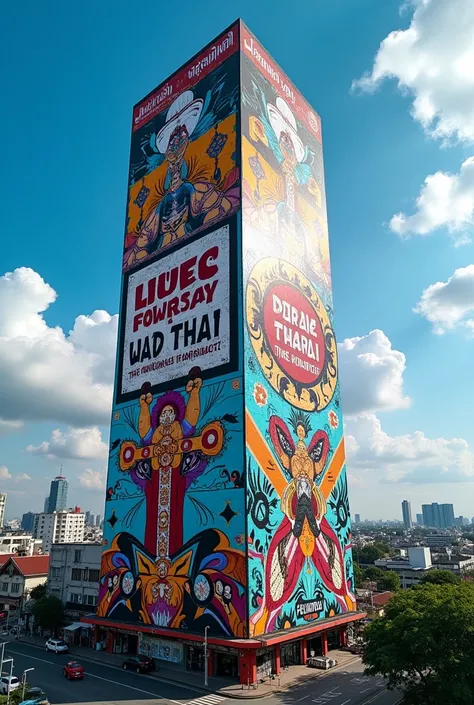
(439, 516)
(73, 577)
(28, 521)
(19, 542)
(59, 527)
(3, 501)
(57, 499)
(406, 513)
(18, 577)
(227, 509)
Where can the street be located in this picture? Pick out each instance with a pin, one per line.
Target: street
(108, 685)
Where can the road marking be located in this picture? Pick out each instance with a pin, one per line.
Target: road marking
(346, 701)
(100, 678)
(371, 700)
(206, 700)
(365, 690)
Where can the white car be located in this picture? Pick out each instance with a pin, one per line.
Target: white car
(57, 645)
(8, 684)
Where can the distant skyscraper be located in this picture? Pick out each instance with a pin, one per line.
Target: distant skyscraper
(439, 516)
(91, 519)
(406, 512)
(28, 521)
(98, 520)
(3, 501)
(419, 519)
(447, 513)
(88, 518)
(58, 494)
(357, 518)
(46, 505)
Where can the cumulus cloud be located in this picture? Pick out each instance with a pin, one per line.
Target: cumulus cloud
(371, 374)
(92, 479)
(75, 443)
(7, 427)
(5, 474)
(432, 61)
(446, 200)
(412, 457)
(448, 305)
(45, 374)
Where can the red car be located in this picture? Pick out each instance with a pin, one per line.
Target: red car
(73, 670)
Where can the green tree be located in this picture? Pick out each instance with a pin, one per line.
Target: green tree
(440, 577)
(370, 553)
(373, 573)
(38, 592)
(390, 580)
(49, 613)
(423, 644)
(358, 575)
(16, 696)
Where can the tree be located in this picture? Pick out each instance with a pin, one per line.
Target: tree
(390, 580)
(49, 612)
(358, 575)
(38, 592)
(423, 644)
(373, 573)
(370, 553)
(440, 577)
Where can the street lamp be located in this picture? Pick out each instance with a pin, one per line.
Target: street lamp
(24, 680)
(3, 654)
(206, 657)
(10, 679)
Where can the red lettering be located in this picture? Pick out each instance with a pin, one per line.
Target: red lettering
(148, 318)
(167, 283)
(173, 307)
(186, 274)
(137, 321)
(140, 302)
(206, 270)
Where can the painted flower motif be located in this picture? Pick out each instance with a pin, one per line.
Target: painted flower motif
(239, 539)
(260, 394)
(257, 131)
(333, 419)
(142, 195)
(256, 166)
(216, 145)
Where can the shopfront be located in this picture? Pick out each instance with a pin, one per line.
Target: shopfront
(122, 642)
(226, 664)
(315, 646)
(265, 663)
(195, 657)
(290, 654)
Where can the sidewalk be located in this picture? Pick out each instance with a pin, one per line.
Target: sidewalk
(293, 676)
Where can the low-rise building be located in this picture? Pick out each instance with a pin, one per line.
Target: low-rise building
(18, 577)
(20, 543)
(73, 577)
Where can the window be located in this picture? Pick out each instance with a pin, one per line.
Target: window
(77, 555)
(91, 600)
(75, 597)
(15, 588)
(4, 587)
(94, 575)
(76, 574)
(55, 572)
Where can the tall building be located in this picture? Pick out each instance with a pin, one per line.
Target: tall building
(46, 504)
(357, 519)
(3, 501)
(28, 521)
(59, 527)
(419, 519)
(58, 494)
(98, 520)
(440, 516)
(406, 513)
(228, 361)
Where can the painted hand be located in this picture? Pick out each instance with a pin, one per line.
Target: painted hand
(194, 384)
(146, 399)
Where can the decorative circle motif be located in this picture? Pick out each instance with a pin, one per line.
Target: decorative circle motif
(186, 445)
(128, 453)
(162, 567)
(202, 589)
(146, 453)
(128, 583)
(163, 519)
(260, 510)
(209, 439)
(291, 334)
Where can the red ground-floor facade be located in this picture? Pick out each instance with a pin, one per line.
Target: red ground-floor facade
(244, 660)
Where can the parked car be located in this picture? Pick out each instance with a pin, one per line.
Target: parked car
(35, 696)
(73, 670)
(8, 684)
(322, 662)
(139, 663)
(57, 645)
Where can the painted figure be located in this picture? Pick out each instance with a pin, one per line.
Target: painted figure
(304, 536)
(187, 199)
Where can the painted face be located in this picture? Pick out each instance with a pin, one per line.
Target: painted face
(300, 432)
(178, 143)
(167, 416)
(287, 149)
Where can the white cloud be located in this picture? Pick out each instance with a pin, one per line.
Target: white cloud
(21, 477)
(44, 373)
(92, 479)
(5, 473)
(412, 457)
(75, 443)
(371, 373)
(433, 62)
(446, 200)
(447, 305)
(7, 427)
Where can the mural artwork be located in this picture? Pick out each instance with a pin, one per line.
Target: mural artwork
(184, 173)
(300, 564)
(175, 510)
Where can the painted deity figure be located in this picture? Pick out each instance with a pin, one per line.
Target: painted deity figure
(304, 536)
(187, 199)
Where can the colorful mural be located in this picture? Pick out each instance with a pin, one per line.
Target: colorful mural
(184, 172)
(299, 550)
(175, 517)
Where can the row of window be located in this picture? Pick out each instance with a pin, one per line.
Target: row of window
(88, 575)
(15, 588)
(78, 599)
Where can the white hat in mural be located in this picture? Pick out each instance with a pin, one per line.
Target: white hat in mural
(283, 120)
(184, 111)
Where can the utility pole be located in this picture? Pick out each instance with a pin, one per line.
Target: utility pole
(206, 658)
(24, 681)
(2, 656)
(10, 679)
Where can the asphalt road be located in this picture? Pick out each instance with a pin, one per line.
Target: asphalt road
(107, 685)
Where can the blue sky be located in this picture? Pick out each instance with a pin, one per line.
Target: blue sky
(72, 72)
